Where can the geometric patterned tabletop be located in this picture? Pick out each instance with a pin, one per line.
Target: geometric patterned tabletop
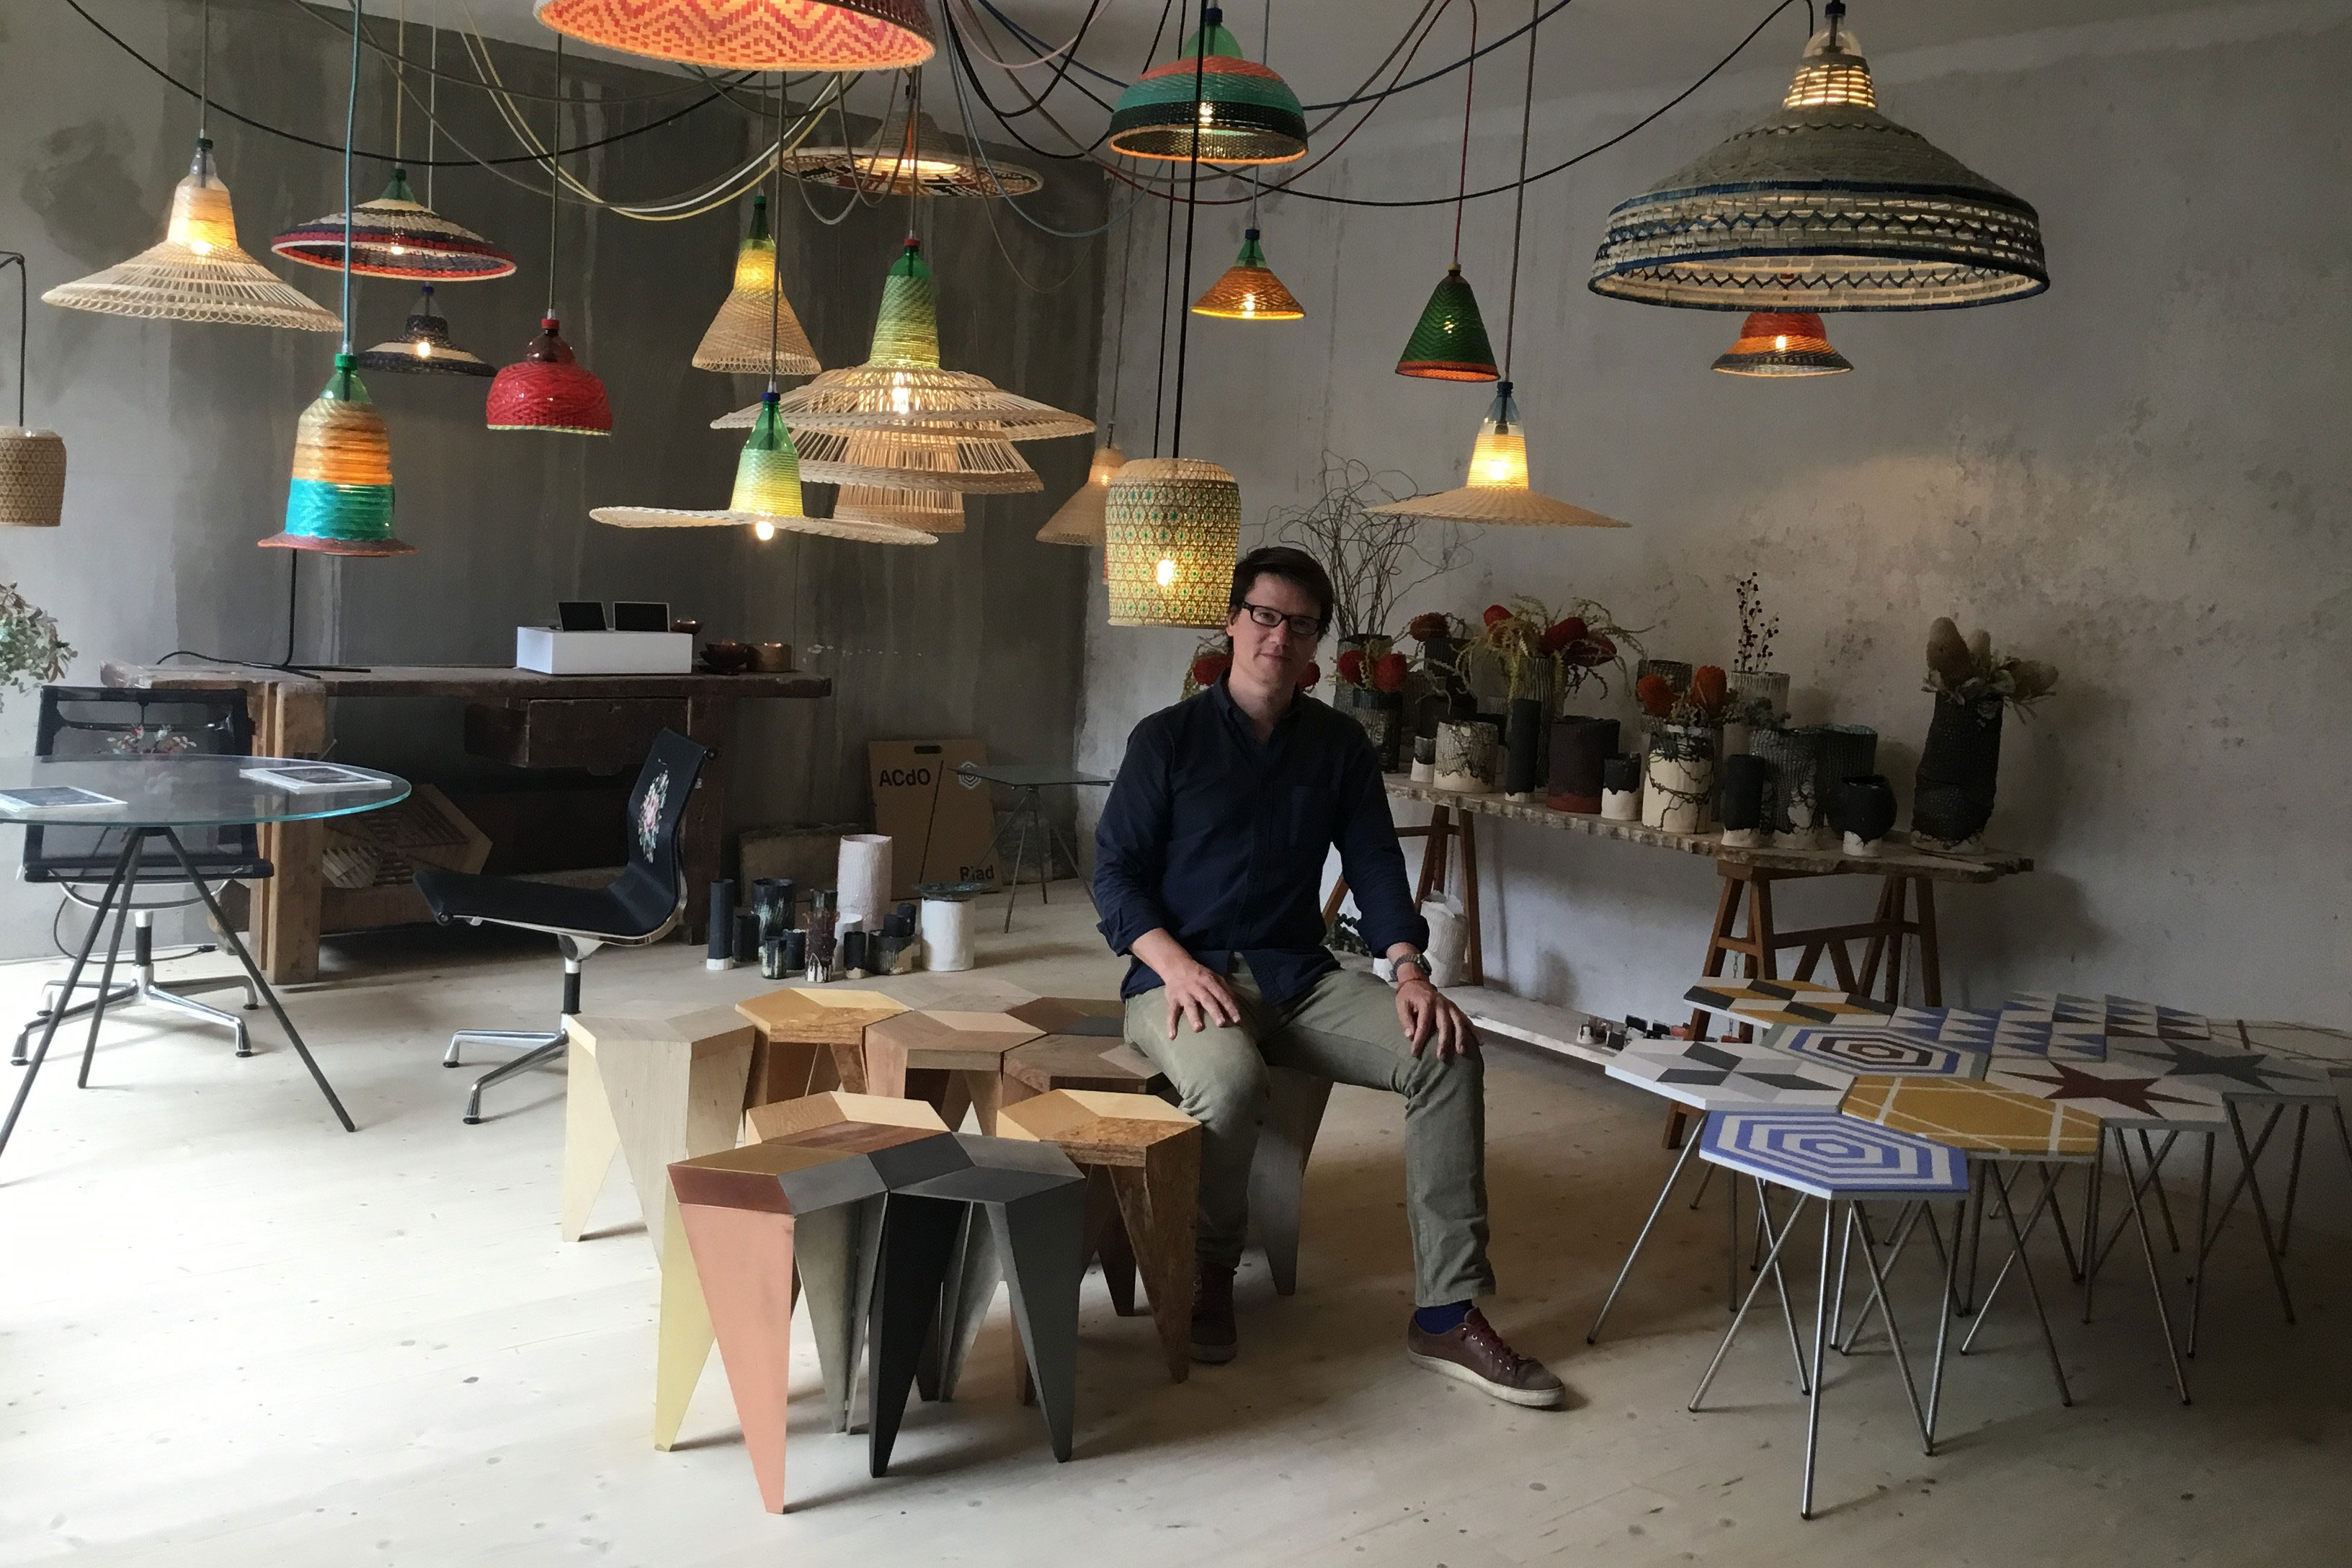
(2112, 1015)
(2329, 1050)
(1782, 1001)
(1876, 1048)
(1980, 1117)
(1833, 1156)
(2004, 1033)
(2119, 1092)
(2233, 1073)
(1720, 1075)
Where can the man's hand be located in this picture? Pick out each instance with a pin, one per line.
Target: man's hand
(1427, 1015)
(1195, 990)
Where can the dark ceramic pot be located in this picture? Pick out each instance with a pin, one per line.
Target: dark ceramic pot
(1523, 742)
(1951, 799)
(1848, 752)
(1579, 746)
(1747, 780)
(1867, 806)
(1382, 713)
(1621, 774)
(1793, 801)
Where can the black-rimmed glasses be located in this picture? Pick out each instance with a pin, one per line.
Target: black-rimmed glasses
(1269, 617)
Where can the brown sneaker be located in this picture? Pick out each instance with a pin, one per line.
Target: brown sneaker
(1474, 1353)
(1212, 1315)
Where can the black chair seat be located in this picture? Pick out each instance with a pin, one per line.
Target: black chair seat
(548, 906)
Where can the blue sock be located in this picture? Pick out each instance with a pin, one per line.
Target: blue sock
(1440, 1320)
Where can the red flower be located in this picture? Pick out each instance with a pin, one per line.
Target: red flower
(1709, 687)
(1426, 629)
(1657, 695)
(1210, 666)
(1561, 633)
(1312, 678)
(1495, 613)
(1603, 650)
(1351, 667)
(1389, 674)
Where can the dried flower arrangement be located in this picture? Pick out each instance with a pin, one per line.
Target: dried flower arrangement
(1704, 703)
(32, 650)
(1530, 643)
(1374, 560)
(1967, 671)
(1756, 629)
(1386, 673)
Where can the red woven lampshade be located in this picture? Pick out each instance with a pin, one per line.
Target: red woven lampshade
(1782, 343)
(753, 35)
(548, 390)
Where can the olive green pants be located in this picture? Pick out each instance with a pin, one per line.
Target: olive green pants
(1344, 1029)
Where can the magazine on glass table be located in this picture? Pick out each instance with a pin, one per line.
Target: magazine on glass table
(51, 799)
(301, 778)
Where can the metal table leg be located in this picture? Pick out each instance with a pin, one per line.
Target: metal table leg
(1689, 1146)
(122, 864)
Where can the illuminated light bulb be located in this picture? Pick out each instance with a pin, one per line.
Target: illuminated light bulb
(764, 531)
(1208, 114)
(399, 250)
(424, 349)
(1165, 573)
(1498, 459)
(1782, 343)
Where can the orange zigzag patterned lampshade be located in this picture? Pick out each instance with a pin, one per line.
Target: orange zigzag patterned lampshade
(753, 35)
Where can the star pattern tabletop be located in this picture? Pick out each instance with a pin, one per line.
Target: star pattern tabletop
(2233, 1074)
(1876, 1048)
(1717, 1075)
(2118, 1092)
(2329, 1050)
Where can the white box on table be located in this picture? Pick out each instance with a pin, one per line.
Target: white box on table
(552, 652)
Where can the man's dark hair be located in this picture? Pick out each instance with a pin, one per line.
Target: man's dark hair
(1294, 566)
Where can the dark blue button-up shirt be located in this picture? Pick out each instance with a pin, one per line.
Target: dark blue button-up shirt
(1219, 837)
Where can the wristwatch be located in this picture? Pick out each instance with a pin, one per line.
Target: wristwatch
(1396, 967)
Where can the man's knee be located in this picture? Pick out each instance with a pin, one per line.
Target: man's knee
(1431, 1076)
(1219, 1077)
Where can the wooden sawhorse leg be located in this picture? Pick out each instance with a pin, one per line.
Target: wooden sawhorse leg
(1440, 831)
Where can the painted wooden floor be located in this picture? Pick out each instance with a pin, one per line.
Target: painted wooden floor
(233, 1334)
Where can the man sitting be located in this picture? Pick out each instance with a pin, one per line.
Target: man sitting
(1208, 862)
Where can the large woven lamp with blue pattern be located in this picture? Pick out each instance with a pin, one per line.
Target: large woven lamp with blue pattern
(1211, 103)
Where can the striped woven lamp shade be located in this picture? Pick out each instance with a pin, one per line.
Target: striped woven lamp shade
(1497, 490)
(1449, 343)
(1209, 102)
(197, 273)
(1171, 532)
(548, 390)
(396, 235)
(340, 501)
(1249, 291)
(1827, 206)
(739, 335)
(929, 511)
(968, 461)
(1080, 519)
(753, 35)
(1782, 343)
(911, 160)
(424, 347)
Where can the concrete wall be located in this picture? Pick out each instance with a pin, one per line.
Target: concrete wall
(180, 437)
(2140, 476)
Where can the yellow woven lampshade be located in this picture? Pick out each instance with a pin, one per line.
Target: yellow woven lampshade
(197, 273)
(1497, 490)
(1249, 291)
(740, 334)
(1080, 519)
(32, 478)
(970, 460)
(1171, 532)
(932, 512)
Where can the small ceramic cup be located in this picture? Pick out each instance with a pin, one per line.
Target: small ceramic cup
(771, 657)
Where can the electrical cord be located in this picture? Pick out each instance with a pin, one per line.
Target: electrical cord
(332, 26)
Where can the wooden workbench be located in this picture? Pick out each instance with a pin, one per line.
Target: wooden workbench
(600, 722)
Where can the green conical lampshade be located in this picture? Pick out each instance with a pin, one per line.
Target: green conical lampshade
(767, 474)
(906, 329)
(1449, 341)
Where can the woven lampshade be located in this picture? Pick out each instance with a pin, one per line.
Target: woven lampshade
(931, 511)
(969, 460)
(1080, 519)
(1782, 343)
(548, 390)
(1171, 532)
(424, 347)
(396, 235)
(919, 160)
(1249, 291)
(32, 478)
(1244, 112)
(753, 35)
(1497, 490)
(197, 273)
(1827, 206)
(339, 503)
(1449, 343)
(740, 334)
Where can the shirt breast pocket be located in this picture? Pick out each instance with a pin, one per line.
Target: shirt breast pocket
(1306, 817)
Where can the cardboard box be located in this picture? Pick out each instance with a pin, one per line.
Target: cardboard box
(942, 822)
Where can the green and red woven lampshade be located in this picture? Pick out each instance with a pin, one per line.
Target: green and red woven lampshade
(753, 35)
(1782, 343)
(339, 503)
(396, 235)
(1211, 103)
(548, 390)
(1449, 343)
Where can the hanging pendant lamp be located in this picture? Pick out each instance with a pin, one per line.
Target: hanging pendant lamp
(933, 512)
(548, 389)
(1249, 291)
(1172, 530)
(32, 462)
(424, 347)
(910, 156)
(197, 273)
(1449, 343)
(737, 341)
(1828, 205)
(970, 460)
(396, 235)
(1209, 102)
(1080, 519)
(753, 35)
(1781, 343)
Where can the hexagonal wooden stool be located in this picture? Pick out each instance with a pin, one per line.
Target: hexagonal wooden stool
(811, 1039)
(656, 1089)
(1091, 1016)
(1096, 1059)
(1148, 1154)
(953, 1060)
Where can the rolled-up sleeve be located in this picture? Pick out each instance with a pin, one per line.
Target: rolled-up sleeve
(1131, 842)
(1371, 858)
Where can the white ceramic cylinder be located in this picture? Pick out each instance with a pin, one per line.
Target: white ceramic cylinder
(947, 934)
(1465, 756)
(1621, 805)
(1857, 844)
(1423, 772)
(1679, 790)
(864, 877)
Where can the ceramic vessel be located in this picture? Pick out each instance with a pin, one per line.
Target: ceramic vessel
(771, 657)
(1791, 803)
(1759, 698)
(1747, 780)
(1679, 793)
(1951, 799)
(1621, 788)
(1579, 746)
(1465, 758)
(1525, 748)
(1848, 752)
(726, 657)
(1866, 805)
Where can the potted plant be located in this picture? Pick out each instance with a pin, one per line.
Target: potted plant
(32, 650)
(1512, 638)
(1373, 684)
(1686, 743)
(1435, 688)
(1759, 694)
(1952, 796)
(1581, 644)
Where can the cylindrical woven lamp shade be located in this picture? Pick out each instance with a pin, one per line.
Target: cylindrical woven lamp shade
(548, 390)
(1497, 490)
(1249, 291)
(424, 348)
(32, 478)
(339, 501)
(739, 335)
(929, 163)
(1080, 519)
(969, 461)
(1449, 343)
(1171, 532)
(753, 35)
(197, 273)
(1782, 343)
(1220, 108)
(1828, 206)
(396, 235)
(933, 512)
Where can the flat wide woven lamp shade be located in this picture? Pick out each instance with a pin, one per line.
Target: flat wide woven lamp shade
(548, 390)
(32, 478)
(823, 527)
(424, 347)
(739, 337)
(1782, 343)
(1449, 343)
(1223, 109)
(197, 273)
(396, 235)
(753, 35)
(929, 163)
(1828, 206)
(339, 501)
(1080, 519)
(1249, 291)
(931, 511)
(1171, 532)
(1497, 490)
(968, 461)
